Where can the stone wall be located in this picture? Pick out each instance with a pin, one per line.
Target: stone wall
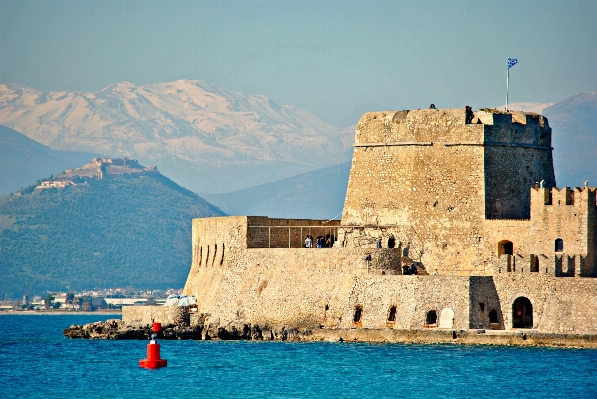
(160, 314)
(313, 287)
(324, 287)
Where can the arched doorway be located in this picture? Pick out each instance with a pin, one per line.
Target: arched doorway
(505, 247)
(522, 313)
(446, 318)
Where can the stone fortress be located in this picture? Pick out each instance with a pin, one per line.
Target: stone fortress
(474, 207)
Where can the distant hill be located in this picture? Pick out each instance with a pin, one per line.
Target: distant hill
(526, 107)
(313, 195)
(206, 138)
(22, 160)
(574, 125)
(98, 233)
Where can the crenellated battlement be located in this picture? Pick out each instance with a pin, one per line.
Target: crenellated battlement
(554, 264)
(448, 127)
(577, 196)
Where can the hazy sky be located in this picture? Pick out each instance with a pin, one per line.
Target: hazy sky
(337, 59)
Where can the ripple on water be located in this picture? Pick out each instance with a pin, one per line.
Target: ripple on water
(38, 362)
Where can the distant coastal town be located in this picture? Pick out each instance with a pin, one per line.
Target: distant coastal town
(88, 301)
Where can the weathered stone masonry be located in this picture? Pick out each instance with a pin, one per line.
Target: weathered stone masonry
(473, 205)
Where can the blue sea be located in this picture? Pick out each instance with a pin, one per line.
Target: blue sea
(36, 361)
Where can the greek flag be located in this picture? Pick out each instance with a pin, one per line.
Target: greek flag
(512, 62)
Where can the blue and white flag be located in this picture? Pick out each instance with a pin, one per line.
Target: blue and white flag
(512, 62)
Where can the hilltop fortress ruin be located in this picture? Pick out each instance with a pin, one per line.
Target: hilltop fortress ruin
(474, 207)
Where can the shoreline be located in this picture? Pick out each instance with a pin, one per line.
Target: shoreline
(523, 338)
(61, 312)
(118, 329)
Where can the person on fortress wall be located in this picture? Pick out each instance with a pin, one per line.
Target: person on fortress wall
(328, 242)
(432, 106)
(469, 115)
(308, 242)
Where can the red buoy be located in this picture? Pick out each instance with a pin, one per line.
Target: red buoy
(153, 360)
(156, 327)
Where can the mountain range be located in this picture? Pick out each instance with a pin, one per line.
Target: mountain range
(206, 138)
(276, 182)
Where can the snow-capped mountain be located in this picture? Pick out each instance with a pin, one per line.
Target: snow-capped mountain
(206, 138)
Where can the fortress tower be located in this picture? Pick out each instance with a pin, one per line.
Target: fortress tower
(431, 181)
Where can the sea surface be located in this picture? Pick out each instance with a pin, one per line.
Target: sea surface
(36, 361)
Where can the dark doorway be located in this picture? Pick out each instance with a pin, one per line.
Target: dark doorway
(431, 318)
(493, 317)
(358, 313)
(522, 313)
(392, 314)
(505, 247)
(391, 242)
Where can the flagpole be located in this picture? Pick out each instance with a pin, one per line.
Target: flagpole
(507, 79)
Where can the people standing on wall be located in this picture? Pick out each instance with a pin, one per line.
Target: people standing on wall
(469, 115)
(308, 242)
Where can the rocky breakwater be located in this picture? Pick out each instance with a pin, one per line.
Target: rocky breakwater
(202, 329)
(118, 329)
(206, 328)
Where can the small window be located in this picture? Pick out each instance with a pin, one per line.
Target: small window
(392, 314)
(559, 244)
(505, 247)
(493, 317)
(358, 313)
(431, 318)
(535, 264)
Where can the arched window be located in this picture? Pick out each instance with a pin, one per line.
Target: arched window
(358, 314)
(559, 244)
(392, 314)
(431, 318)
(505, 247)
(493, 317)
(522, 313)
